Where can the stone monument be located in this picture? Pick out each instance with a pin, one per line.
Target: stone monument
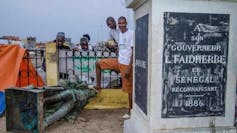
(184, 66)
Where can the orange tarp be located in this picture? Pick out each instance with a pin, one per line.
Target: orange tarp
(28, 75)
(11, 62)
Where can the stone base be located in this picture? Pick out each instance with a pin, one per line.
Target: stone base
(201, 130)
(131, 126)
(137, 125)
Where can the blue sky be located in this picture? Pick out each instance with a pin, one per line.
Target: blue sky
(44, 18)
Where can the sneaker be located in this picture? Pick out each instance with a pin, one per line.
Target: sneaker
(126, 116)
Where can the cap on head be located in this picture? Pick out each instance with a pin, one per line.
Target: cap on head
(60, 34)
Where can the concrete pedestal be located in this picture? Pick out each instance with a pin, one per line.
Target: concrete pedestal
(185, 66)
(51, 64)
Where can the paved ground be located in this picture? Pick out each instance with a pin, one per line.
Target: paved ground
(90, 121)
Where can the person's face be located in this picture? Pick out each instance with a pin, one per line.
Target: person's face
(84, 42)
(111, 24)
(122, 25)
(84, 45)
(60, 40)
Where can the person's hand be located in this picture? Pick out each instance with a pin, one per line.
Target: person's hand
(107, 45)
(110, 44)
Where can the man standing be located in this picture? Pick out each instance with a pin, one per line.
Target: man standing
(124, 62)
(125, 59)
(62, 45)
(113, 34)
(60, 41)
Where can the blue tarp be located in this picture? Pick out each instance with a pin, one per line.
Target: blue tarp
(2, 102)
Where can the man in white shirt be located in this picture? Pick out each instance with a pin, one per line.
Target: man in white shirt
(113, 34)
(125, 59)
(124, 62)
(114, 37)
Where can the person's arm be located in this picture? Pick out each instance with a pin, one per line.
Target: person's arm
(112, 45)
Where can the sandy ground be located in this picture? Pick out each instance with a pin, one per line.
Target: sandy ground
(90, 121)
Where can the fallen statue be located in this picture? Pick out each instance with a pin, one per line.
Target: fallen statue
(32, 109)
(71, 99)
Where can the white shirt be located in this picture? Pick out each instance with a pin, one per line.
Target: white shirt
(79, 47)
(114, 34)
(126, 42)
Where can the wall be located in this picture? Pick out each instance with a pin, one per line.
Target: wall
(139, 122)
